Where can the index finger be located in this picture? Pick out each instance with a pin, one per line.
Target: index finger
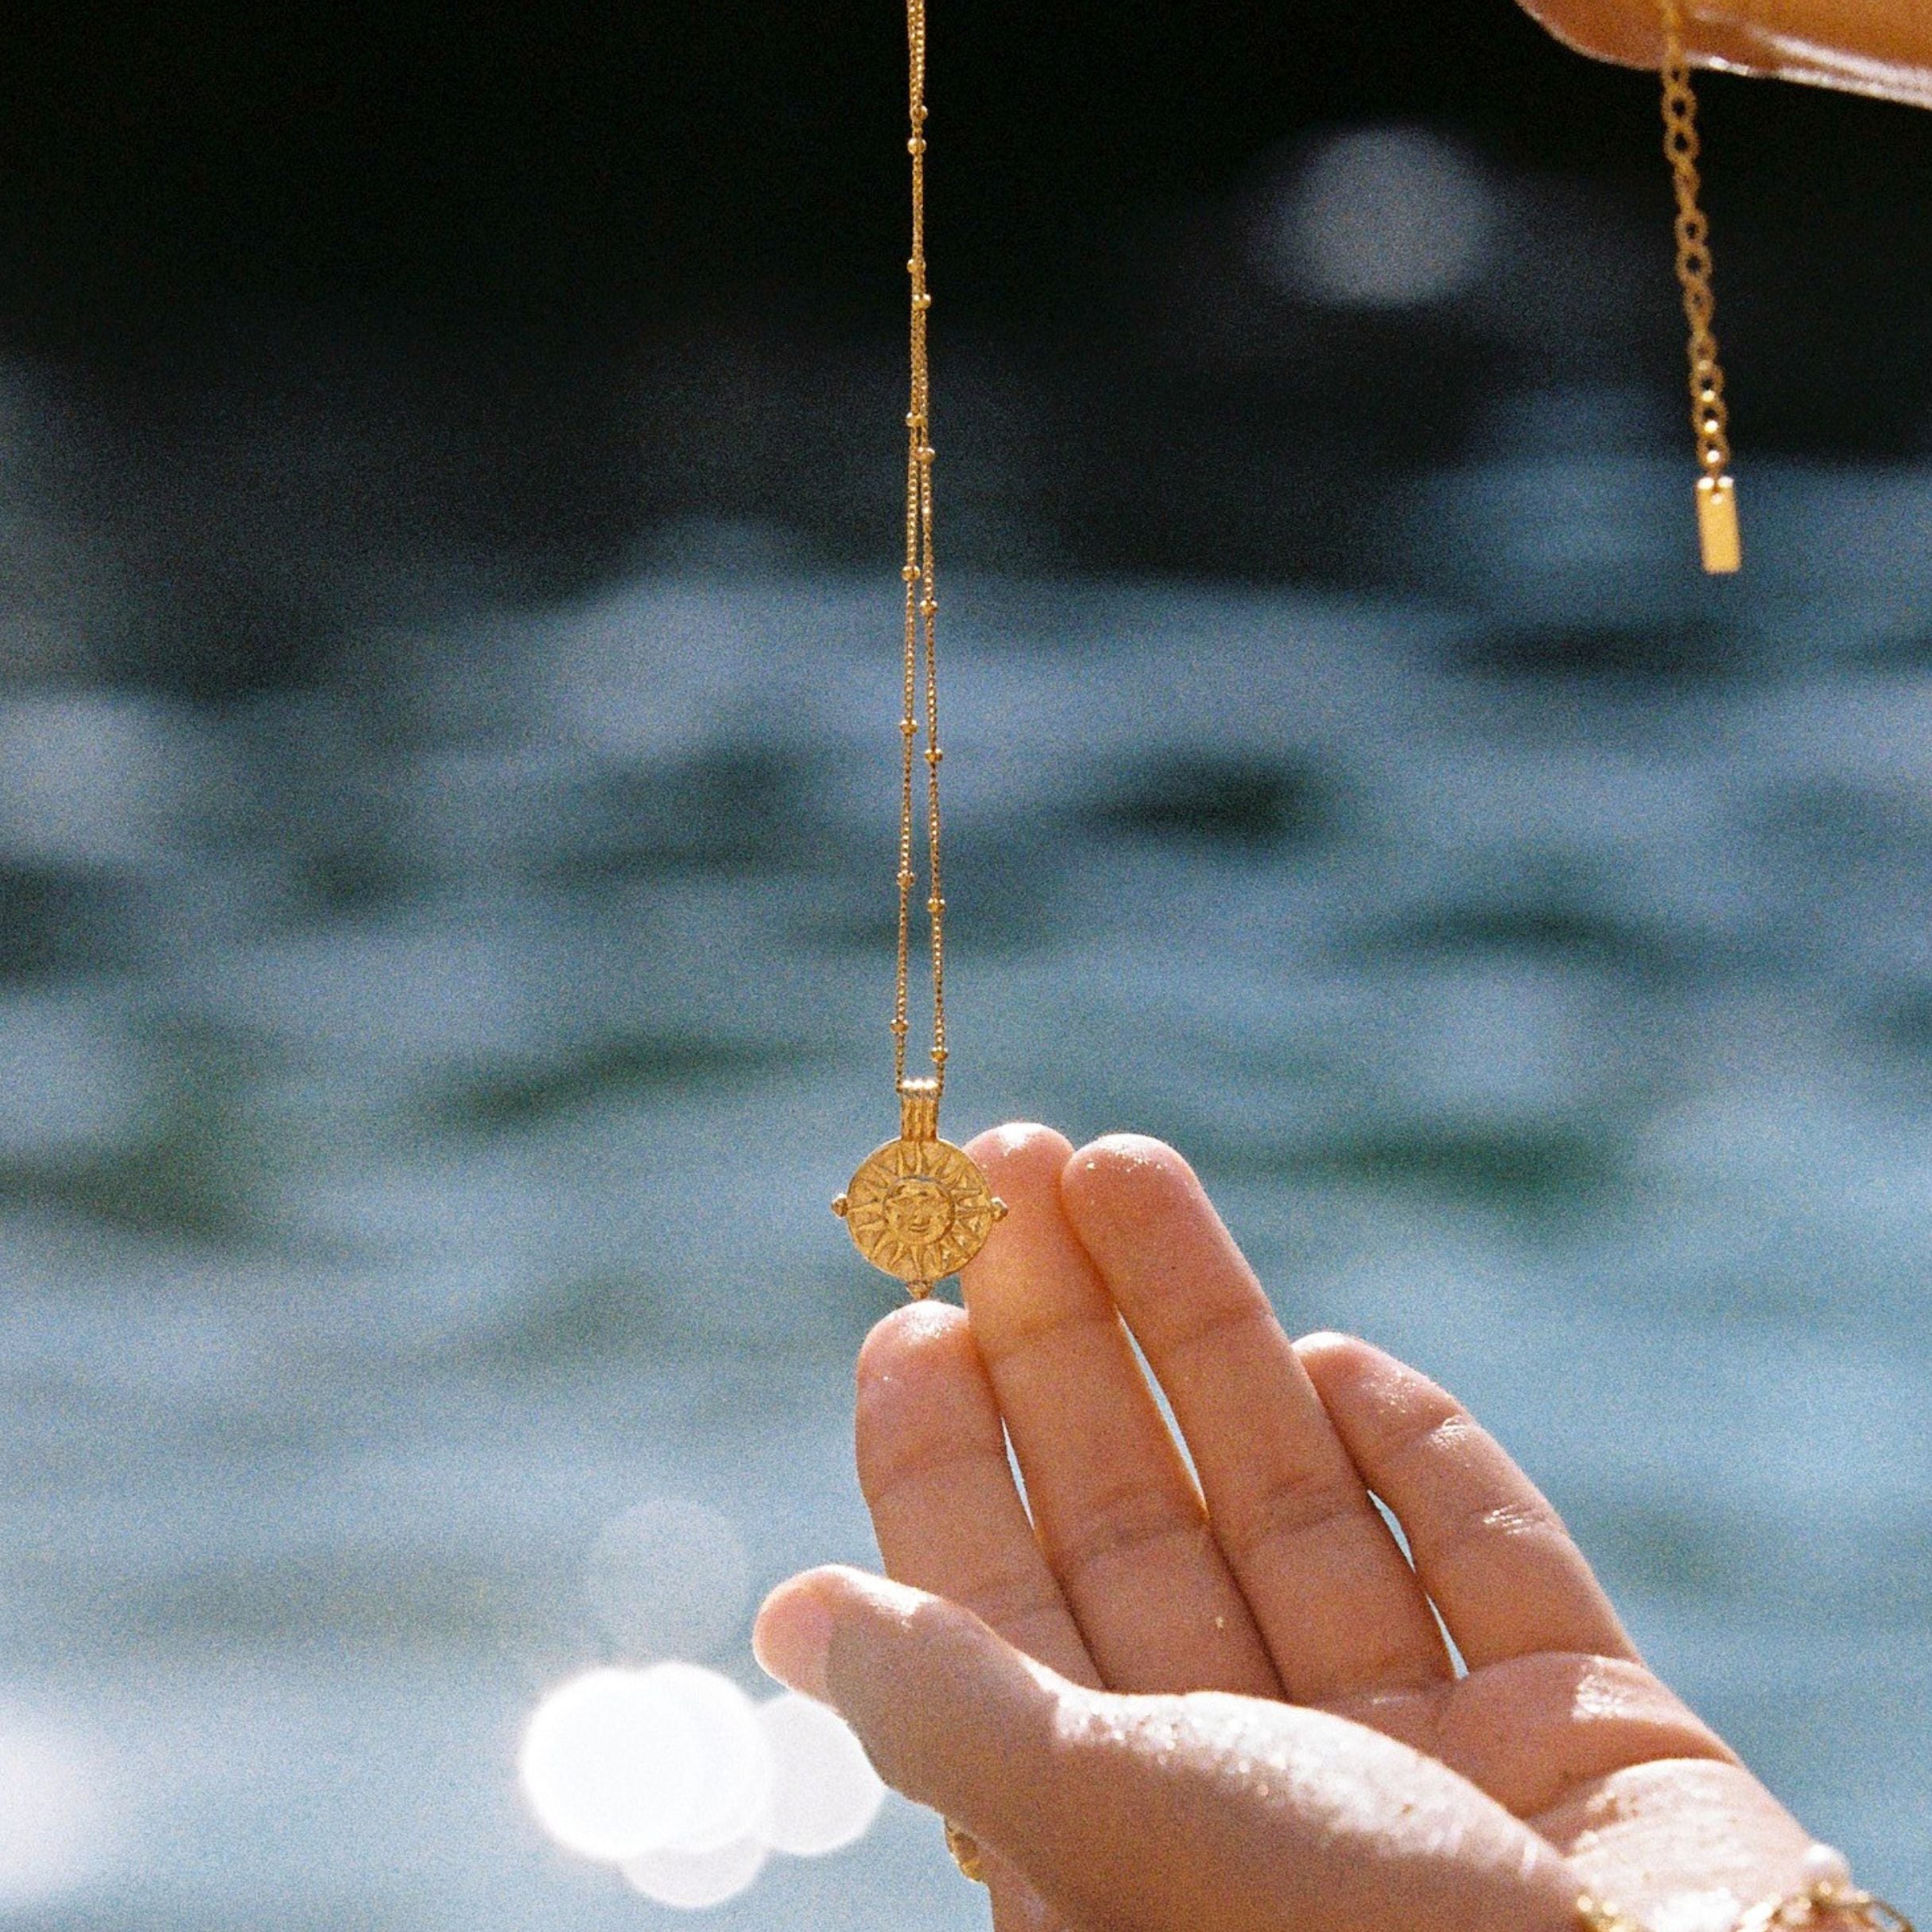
(1876, 47)
(933, 1464)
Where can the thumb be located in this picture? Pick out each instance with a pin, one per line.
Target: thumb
(1211, 1812)
(939, 1701)
(843, 1621)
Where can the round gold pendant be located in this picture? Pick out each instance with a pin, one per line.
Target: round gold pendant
(917, 1208)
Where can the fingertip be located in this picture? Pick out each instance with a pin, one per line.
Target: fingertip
(792, 1636)
(1335, 1352)
(906, 1341)
(921, 1390)
(1136, 1205)
(1126, 1175)
(1328, 1338)
(944, 1707)
(805, 1623)
(1019, 1149)
(1021, 1163)
(1350, 1373)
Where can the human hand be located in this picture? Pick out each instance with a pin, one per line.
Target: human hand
(1880, 47)
(1195, 1709)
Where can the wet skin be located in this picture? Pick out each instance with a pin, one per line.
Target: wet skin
(1206, 1692)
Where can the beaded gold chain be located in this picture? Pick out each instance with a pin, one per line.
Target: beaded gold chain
(922, 601)
(918, 1207)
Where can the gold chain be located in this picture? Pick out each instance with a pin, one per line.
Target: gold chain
(918, 1207)
(921, 605)
(1710, 417)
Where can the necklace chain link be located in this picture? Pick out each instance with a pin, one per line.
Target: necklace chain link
(921, 611)
(1710, 414)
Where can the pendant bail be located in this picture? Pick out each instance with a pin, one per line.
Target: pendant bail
(919, 1110)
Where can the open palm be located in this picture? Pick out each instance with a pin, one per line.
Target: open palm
(1267, 1572)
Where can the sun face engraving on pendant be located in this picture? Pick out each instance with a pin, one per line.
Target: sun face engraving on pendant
(917, 1211)
(920, 1210)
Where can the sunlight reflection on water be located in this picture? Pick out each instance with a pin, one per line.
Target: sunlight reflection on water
(669, 1579)
(439, 1108)
(672, 1774)
(55, 1833)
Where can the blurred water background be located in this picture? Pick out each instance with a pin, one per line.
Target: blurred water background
(444, 957)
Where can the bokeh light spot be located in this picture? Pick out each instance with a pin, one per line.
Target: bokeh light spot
(732, 1767)
(605, 1764)
(669, 1578)
(693, 1880)
(617, 1763)
(824, 1792)
(51, 1816)
(1388, 217)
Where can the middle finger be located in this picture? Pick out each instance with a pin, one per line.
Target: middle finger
(1113, 1505)
(1340, 1606)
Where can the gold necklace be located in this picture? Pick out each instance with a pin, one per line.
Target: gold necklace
(917, 1208)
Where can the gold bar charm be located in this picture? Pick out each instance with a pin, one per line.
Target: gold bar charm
(1717, 532)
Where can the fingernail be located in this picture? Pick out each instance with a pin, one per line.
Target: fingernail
(792, 1638)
